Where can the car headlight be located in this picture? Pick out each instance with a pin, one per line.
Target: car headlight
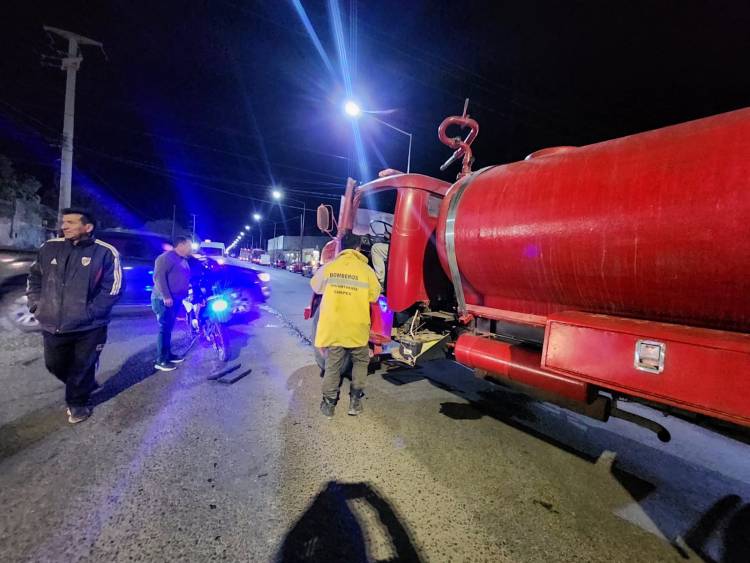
(264, 277)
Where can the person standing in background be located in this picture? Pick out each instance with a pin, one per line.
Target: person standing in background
(171, 285)
(71, 289)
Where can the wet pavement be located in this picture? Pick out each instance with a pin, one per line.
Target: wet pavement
(440, 467)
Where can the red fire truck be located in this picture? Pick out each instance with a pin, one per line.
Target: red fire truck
(581, 275)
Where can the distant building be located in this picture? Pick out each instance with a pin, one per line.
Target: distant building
(287, 248)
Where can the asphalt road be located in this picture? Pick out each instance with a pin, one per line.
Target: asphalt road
(440, 467)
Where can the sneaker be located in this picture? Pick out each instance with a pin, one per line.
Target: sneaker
(355, 403)
(327, 406)
(165, 366)
(78, 414)
(175, 359)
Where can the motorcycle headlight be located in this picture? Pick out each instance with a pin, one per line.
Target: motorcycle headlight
(219, 305)
(264, 277)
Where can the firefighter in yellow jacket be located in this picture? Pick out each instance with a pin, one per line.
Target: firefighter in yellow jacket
(348, 286)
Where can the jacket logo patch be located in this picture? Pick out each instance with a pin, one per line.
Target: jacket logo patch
(85, 260)
(54, 261)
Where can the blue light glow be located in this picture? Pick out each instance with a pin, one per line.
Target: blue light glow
(313, 36)
(219, 305)
(383, 304)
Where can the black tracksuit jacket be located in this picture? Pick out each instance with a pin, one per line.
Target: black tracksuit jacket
(73, 287)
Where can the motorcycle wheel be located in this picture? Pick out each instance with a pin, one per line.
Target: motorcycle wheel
(218, 340)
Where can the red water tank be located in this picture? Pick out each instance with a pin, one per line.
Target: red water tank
(653, 226)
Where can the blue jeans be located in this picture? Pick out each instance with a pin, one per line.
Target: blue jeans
(166, 317)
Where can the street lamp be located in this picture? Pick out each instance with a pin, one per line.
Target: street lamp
(258, 218)
(278, 195)
(353, 110)
(247, 227)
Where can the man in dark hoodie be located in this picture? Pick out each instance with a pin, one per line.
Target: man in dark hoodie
(171, 285)
(72, 287)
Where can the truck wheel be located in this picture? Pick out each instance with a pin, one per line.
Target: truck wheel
(16, 310)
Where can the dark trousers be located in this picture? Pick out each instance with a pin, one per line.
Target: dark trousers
(166, 317)
(335, 362)
(72, 358)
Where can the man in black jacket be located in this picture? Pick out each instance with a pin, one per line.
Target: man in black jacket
(72, 287)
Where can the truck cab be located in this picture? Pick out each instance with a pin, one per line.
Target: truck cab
(400, 211)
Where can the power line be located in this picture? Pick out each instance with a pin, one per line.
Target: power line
(200, 146)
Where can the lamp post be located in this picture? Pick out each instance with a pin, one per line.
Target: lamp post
(353, 110)
(259, 219)
(275, 242)
(278, 195)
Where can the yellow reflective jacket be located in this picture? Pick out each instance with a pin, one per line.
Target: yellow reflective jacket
(348, 286)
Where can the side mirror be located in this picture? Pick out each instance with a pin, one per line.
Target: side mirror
(324, 219)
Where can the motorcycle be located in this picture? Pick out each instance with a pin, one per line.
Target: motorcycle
(206, 321)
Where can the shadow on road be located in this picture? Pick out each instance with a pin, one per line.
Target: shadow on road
(135, 369)
(330, 531)
(236, 340)
(499, 405)
(30, 428)
(728, 514)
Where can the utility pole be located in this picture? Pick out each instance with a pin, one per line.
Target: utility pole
(193, 214)
(275, 242)
(302, 234)
(70, 64)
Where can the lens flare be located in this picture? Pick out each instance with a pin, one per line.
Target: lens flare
(219, 305)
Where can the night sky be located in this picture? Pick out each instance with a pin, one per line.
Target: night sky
(207, 104)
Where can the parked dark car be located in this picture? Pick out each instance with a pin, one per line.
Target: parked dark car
(280, 263)
(247, 287)
(138, 251)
